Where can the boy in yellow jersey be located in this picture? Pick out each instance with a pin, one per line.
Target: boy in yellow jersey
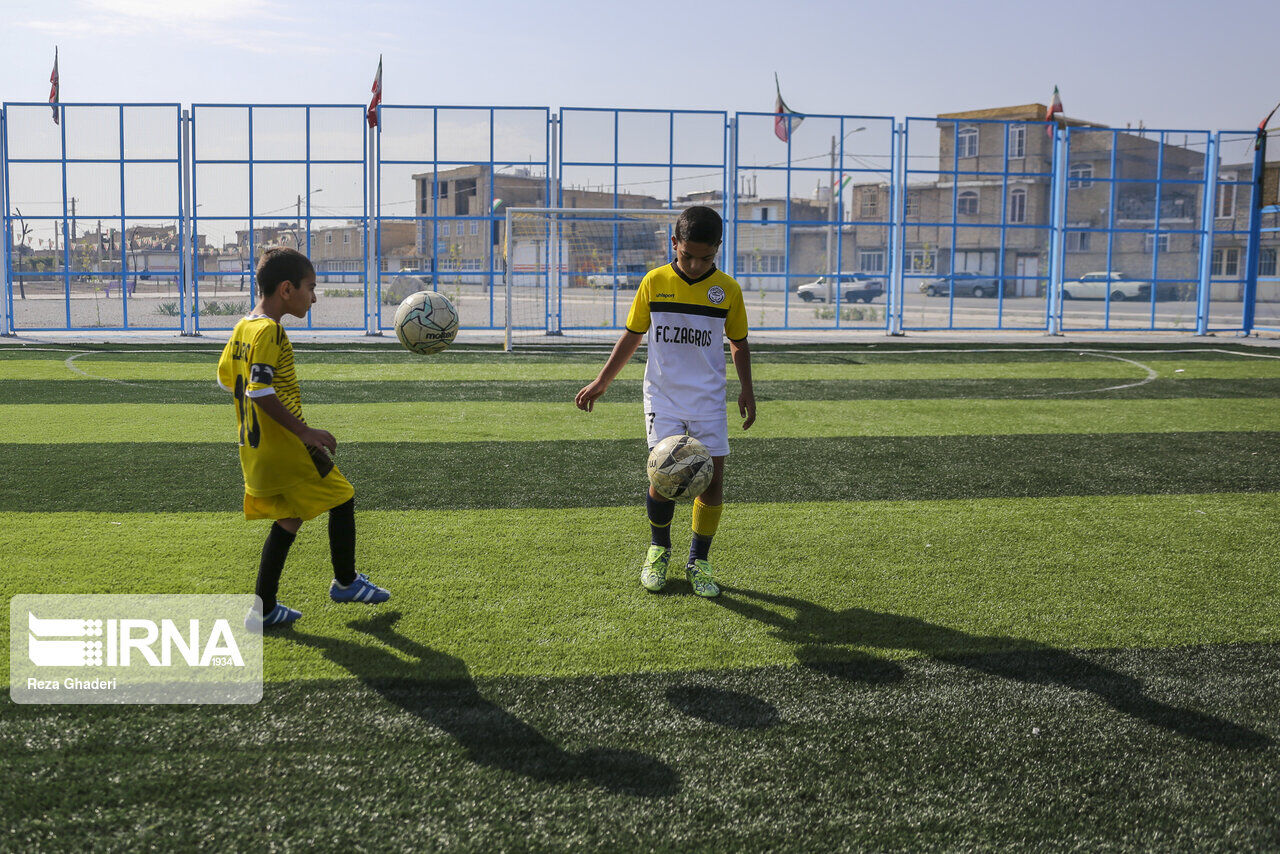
(687, 309)
(289, 475)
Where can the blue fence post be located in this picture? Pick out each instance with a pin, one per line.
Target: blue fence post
(731, 197)
(190, 257)
(1208, 196)
(6, 237)
(1255, 237)
(66, 231)
(372, 228)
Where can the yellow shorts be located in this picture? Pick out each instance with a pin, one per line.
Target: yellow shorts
(305, 501)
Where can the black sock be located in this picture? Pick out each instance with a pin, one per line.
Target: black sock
(274, 552)
(342, 541)
(660, 515)
(699, 548)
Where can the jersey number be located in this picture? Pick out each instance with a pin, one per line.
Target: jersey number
(247, 411)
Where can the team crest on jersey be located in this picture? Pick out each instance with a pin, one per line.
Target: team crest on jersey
(716, 294)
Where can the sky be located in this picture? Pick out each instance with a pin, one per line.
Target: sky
(1175, 64)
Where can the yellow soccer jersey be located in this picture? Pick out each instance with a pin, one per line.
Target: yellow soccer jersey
(687, 322)
(257, 361)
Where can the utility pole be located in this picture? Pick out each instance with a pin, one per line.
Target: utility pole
(73, 220)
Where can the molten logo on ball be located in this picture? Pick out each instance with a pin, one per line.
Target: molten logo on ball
(680, 467)
(426, 322)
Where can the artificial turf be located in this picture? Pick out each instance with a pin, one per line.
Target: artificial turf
(974, 599)
(121, 477)
(1036, 750)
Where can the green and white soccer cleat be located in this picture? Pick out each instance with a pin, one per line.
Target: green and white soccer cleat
(699, 572)
(654, 574)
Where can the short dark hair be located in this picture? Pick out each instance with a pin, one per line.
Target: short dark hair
(700, 224)
(282, 264)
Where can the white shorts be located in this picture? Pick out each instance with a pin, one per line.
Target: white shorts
(714, 433)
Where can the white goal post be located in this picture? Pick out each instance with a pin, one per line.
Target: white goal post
(570, 274)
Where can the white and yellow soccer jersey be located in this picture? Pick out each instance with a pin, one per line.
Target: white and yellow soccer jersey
(257, 361)
(687, 322)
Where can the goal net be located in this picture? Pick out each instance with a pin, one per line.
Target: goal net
(571, 273)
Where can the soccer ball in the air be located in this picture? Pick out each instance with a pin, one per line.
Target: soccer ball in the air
(426, 322)
(680, 467)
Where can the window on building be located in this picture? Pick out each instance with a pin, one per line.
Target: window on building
(1226, 262)
(911, 206)
(346, 237)
(1160, 241)
(967, 142)
(328, 238)
(1080, 176)
(1077, 241)
(920, 261)
(444, 229)
(870, 202)
(871, 260)
(442, 190)
(967, 202)
(475, 227)
(1267, 262)
(1018, 206)
(1225, 202)
(1017, 141)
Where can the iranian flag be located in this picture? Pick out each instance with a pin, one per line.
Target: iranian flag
(784, 121)
(53, 90)
(1262, 128)
(1055, 109)
(377, 96)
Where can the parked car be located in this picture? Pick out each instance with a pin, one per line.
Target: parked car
(965, 285)
(849, 287)
(622, 279)
(1098, 285)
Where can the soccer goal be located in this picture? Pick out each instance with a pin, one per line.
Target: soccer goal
(571, 273)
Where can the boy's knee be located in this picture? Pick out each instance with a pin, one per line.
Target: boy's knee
(290, 525)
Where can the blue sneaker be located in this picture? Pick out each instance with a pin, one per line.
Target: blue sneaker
(360, 590)
(280, 615)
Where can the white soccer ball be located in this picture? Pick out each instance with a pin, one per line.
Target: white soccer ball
(680, 467)
(426, 322)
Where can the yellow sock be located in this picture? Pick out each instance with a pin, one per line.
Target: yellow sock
(706, 518)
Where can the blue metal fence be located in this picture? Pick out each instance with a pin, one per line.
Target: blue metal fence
(149, 216)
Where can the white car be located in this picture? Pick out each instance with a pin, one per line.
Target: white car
(1099, 285)
(608, 280)
(852, 288)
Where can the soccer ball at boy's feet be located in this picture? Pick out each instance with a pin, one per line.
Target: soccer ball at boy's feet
(680, 467)
(426, 322)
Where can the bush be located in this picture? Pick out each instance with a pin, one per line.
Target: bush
(849, 313)
(213, 307)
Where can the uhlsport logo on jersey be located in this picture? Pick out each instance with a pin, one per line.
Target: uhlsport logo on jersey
(133, 649)
(715, 294)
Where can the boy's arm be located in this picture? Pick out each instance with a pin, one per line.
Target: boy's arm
(622, 353)
(741, 355)
(310, 436)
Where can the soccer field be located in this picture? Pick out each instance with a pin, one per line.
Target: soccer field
(1011, 597)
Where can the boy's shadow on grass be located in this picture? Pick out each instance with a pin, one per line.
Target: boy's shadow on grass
(438, 688)
(822, 638)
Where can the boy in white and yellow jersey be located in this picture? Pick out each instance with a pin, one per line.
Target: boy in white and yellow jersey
(687, 309)
(289, 475)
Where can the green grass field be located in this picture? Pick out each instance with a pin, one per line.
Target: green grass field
(1020, 598)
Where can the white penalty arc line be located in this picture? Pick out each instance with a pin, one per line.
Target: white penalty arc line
(69, 362)
(1151, 375)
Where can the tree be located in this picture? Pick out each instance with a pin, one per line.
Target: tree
(22, 250)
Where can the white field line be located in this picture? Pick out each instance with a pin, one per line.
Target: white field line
(1151, 375)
